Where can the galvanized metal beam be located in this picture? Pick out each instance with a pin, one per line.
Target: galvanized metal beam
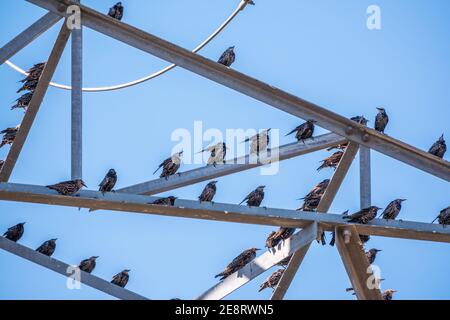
(68, 270)
(220, 212)
(28, 35)
(35, 103)
(356, 264)
(256, 89)
(365, 177)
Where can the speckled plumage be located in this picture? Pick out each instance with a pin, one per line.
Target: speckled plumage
(68, 188)
(304, 131)
(108, 182)
(88, 265)
(238, 263)
(393, 209)
(208, 192)
(121, 279)
(228, 57)
(363, 216)
(170, 166)
(439, 148)
(116, 11)
(272, 280)
(9, 134)
(255, 197)
(277, 236)
(48, 247)
(14, 233)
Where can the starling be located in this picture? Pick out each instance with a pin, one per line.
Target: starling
(360, 120)
(255, 197)
(238, 263)
(439, 148)
(388, 294)
(272, 281)
(48, 247)
(170, 166)
(34, 72)
(393, 209)
(217, 153)
(304, 131)
(363, 216)
(312, 199)
(88, 265)
(121, 279)
(341, 147)
(23, 101)
(29, 85)
(9, 134)
(169, 201)
(372, 255)
(332, 161)
(117, 11)
(364, 238)
(285, 261)
(68, 188)
(208, 192)
(1, 164)
(15, 233)
(276, 237)
(108, 182)
(227, 58)
(381, 120)
(444, 217)
(259, 142)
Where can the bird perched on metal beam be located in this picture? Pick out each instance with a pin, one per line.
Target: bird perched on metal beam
(255, 197)
(32, 79)
(170, 166)
(29, 85)
(341, 147)
(23, 101)
(277, 236)
(68, 188)
(443, 217)
(304, 131)
(169, 201)
(272, 281)
(88, 265)
(285, 262)
(228, 57)
(208, 192)
(121, 279)
(332, 161)
(388, 294)
(1, 164)
(364, 238)
(14, 233)
(312, 199)
(9, 134)
(259, 142)
(108, 182)
(116, 11)
(238, 263)
(439, 148)
(393, 209)
(372, 255)
(360, 120)
(364, 216)
(48, 247)
(381, 120)
(217, 153)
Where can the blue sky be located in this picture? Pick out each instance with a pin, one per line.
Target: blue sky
(319, 50)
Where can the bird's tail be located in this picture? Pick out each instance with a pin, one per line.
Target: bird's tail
(219, 275)
(349, 289)
(333, 240)
(264, 286)
(435, 219)
(2, 144)
(156, 170)
(322, 166)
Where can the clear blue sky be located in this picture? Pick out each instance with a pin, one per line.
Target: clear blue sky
(319, 50)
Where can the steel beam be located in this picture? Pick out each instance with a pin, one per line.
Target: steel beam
(324, 206)
(28, 35)
(365, 177)
(255, 89)
(356, 264)
(220, 212)
(67, 270)
(35, 103)
(261, 264)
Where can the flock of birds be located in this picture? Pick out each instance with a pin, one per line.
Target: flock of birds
(258, 143)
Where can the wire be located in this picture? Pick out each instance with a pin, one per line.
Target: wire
(240, 7)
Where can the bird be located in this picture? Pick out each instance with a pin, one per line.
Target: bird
(341, 147)
(388, 294)
(439, 148)
(208, 192)
(372, 255)
(15, 233)
(9, 134)
(29, 85)
(108, 182)
(285, 261)
(360, 120)
(1, 164)
(169, 201)
(443, 217)
(68, 188)
(228, 57)
(121, 279)
(35, 71)
(364, 238)
(332, 161)
(48, 247)
(312, 199)
(87, 265)
(333, 234)
(238, 263)
(381, 120)
(116, 11)
(393, 209)
(250, 2)
(363, 216)
(170, 166)
(259, 142)
(255, 197)
(272, 281)
(23, 101)
(304, 131)
(217, 153)
(277, 236)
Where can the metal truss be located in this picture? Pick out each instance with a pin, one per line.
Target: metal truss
(136, 198)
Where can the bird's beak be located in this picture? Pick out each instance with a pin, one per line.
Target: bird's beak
(84, 184)
(55, 239)
(257, 249)
(23, 222)
(403, 200)
(214, 182)
(379, 250)
(96, 257)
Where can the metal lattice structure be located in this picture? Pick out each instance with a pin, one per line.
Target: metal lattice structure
(136, 198)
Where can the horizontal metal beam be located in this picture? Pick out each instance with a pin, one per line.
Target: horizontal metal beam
(28, 35)
(356, 263)
(255, 88)
(35, 103)
(220, 212)
(261, 264)
(67, 270)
